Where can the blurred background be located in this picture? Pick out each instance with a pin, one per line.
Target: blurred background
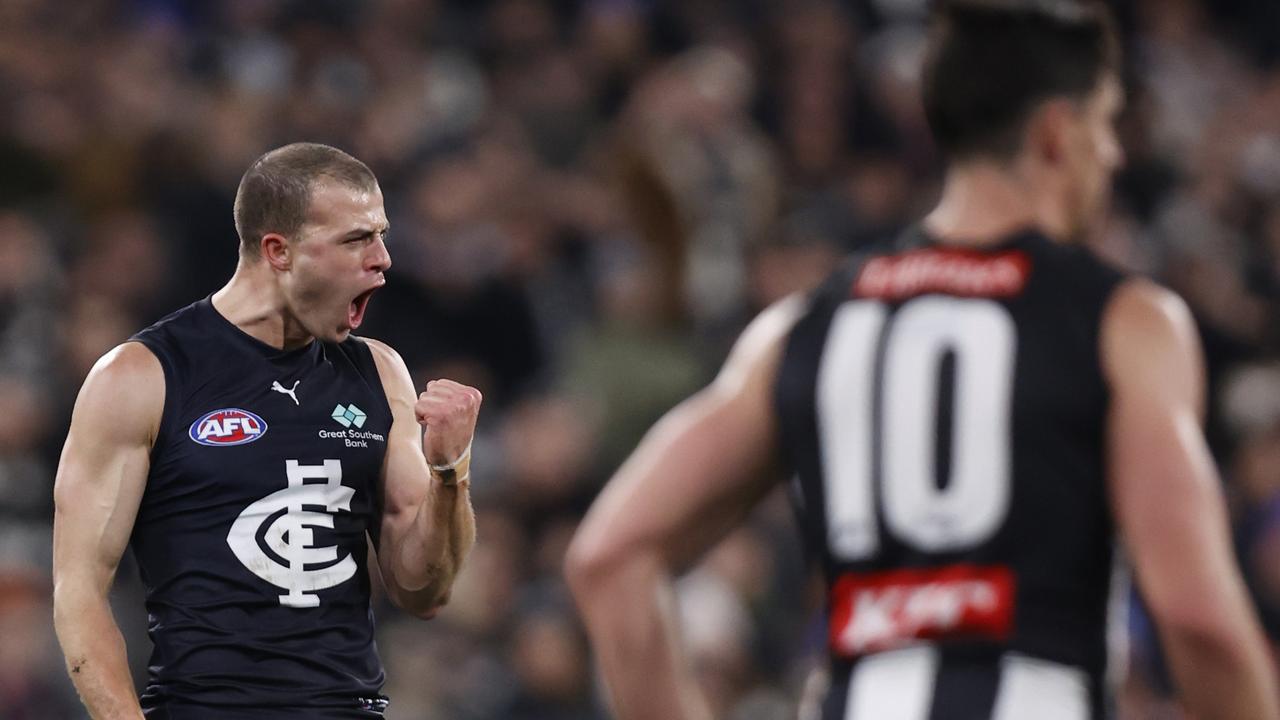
(588, 201)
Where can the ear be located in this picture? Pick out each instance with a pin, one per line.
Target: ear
(277, 251)
(1049, 131)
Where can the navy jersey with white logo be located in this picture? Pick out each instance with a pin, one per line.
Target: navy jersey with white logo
(251, 534)
(944, 412)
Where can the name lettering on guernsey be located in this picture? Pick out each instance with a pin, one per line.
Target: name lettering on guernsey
(880, 611)
(228, 426)
(275, 539)
(965, 273)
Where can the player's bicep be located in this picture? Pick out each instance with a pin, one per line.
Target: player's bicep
(404, 469)
(1165, 491)
(103, 469)
(703, 466)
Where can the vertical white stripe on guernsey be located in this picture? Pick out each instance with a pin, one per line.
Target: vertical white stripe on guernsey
(1033, 688)
(893, 685)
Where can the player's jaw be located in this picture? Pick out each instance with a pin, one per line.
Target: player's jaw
(1096, 157)
(330, 311)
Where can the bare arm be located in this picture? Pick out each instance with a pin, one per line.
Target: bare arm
(696, 475)
(428, 525)
(1167, 500)
(100, 480)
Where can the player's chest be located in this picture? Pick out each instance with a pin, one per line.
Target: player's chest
(240, 434)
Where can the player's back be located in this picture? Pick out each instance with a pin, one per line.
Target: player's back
(944, 411)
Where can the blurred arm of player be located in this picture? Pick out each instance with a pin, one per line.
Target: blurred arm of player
(694, 477)
(428, 525)
(101, 476)
(1167, 499)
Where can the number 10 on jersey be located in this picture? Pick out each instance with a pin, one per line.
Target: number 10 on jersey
(878, 410)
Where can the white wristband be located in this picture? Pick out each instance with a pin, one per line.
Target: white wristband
(452, 465)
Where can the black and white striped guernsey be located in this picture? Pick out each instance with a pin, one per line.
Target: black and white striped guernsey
(943, 411)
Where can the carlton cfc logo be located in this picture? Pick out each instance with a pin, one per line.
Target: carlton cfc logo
(228, 426)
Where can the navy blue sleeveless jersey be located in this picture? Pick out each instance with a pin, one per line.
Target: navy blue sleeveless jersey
(251, 534)
(944, 412)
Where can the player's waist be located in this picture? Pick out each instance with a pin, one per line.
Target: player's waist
(217, 685)
(960, 682)
(352, 708)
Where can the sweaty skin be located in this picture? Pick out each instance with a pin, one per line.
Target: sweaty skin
(1167, 500)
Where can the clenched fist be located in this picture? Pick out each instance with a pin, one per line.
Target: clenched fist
(448, 411)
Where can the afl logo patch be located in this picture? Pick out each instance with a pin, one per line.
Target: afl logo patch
(228, 426)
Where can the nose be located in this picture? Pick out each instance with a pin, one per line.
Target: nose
(379, 258)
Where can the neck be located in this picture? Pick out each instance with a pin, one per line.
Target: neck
(983, 202)
(251, 301)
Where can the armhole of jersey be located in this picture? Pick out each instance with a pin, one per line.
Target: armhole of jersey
(777, 400)
(168, 415)
(362, 353)
(794, 407)
(1112, 283)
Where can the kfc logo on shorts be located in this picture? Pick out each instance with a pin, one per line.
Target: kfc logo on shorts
(228, 426)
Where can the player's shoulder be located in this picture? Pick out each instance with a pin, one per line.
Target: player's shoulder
(1148, 331)
(185, 339)
(125, 390)
(1143, 308)
(383, 354)
(127, 364)
(390, 365)
(176, 322)
(759, 349)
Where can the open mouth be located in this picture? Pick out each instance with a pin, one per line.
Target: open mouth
(355, 311)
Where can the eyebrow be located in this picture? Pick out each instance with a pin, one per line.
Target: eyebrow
(365, 231)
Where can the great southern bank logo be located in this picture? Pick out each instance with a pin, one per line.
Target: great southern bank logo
(349, 415)
(352, 418)
(228, 426)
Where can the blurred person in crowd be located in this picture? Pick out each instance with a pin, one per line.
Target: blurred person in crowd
(698, 180)
(29, 285)
(1257, 475)
(248, 514)
(631, 365)
(550, 660)
(971, 412)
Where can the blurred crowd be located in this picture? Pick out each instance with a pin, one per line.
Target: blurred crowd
(588, 200)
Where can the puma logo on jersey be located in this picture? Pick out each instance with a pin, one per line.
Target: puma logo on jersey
(275, 537)
(228, 426)
(277, 387)
(880, 611)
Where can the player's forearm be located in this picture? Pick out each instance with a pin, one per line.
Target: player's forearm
(95, 654)
(1223, 676)
(438, 541)
(630, 614)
